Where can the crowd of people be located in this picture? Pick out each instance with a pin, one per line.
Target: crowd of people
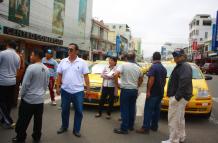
(72, 73)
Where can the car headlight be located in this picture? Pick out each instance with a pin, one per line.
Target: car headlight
(203, 93)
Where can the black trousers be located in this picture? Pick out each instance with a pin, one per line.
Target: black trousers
(107, 95)
(7, 94)
(26, 111)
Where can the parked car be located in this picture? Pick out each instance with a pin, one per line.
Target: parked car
(201, 101)
(96, 83)
(210, 68)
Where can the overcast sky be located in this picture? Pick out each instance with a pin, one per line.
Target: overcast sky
(155, 21)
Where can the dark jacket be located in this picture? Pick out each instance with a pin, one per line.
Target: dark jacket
(180, 82)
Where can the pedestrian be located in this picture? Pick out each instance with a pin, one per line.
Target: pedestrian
(155, 91)
(179, 92)
(32, 94)
(52, 66)
(19, 77)
(9, 64)
(72, 72)
(131, 78)
(109, 87)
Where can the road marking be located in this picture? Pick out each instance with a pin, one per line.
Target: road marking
(215, 99)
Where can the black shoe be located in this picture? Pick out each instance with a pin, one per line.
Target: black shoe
(154, 129)
(77, 134)
(36, 139)
(61, 130)
(131, 129)
(15, 140)
(120, 131)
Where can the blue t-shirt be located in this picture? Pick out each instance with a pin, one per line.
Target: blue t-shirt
(159, 72)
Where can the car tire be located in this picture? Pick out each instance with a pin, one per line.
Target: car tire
(207, 116)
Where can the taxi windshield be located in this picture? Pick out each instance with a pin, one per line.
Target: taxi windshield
(98, 68)
(196, 74)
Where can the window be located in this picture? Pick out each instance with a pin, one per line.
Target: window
(120, 26)
(206, 35)
(207, 22)
(204, 16)
(114, 27)
(201, 39)
(197, 32)
(197, 22)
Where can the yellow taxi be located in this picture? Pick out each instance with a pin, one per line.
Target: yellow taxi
(144, 66)
(96, 84)
(201, 101)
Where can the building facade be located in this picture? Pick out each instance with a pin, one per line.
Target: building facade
(136, 45)
(168, 48)
(47, 24)
(101, 47)
(124, 31)
(200, 31)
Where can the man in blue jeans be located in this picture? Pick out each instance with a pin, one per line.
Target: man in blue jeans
(155, 90)
(131, 78)
(71, 71)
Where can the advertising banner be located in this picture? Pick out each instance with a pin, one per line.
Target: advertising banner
(19, 11)
(58, 17)
(82, 17)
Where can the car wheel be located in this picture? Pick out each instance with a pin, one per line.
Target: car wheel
(207, 116)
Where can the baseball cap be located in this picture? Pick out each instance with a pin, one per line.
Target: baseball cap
(49, 51)
(178, 53)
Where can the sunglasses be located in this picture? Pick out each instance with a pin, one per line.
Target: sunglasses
(71, 50)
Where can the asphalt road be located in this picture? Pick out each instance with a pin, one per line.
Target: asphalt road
(199, 130)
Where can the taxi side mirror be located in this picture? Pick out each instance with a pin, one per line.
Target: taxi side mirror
(208, 77)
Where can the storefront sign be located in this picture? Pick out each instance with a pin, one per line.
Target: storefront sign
(28, 35)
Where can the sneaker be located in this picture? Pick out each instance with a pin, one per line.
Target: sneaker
(108, 117)
(97, 115)
(167, 141)
(53, 103)
(13, 125)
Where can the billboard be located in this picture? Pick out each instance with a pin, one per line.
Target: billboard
(19, 11)
(214, 35)
(58, 17)
(82, 17)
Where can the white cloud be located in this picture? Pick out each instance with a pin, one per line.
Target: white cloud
(155, 21)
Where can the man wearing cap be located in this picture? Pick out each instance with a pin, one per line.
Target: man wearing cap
(179, 92)
(52, 66)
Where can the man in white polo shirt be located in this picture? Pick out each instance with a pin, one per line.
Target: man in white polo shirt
(72, 71)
